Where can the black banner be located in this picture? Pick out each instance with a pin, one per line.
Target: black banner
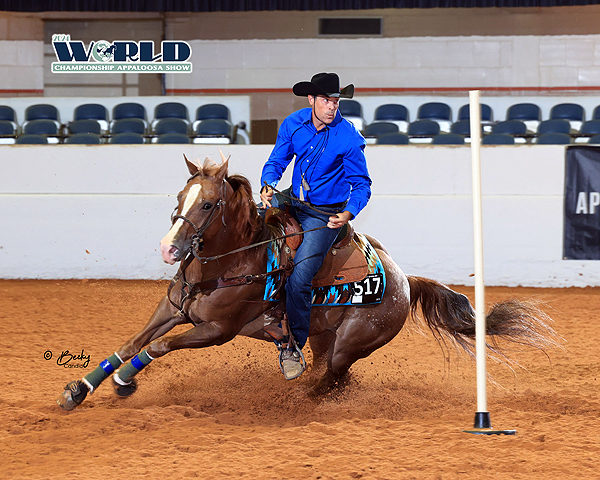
(582, 204)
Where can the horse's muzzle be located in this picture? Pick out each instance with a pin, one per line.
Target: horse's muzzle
(170, 253)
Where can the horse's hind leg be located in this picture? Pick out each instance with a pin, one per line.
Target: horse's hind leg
(357, 337)
(320, 345)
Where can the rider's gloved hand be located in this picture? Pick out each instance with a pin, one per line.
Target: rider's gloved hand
(266, 195)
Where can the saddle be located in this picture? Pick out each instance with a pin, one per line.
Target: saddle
(344, 263)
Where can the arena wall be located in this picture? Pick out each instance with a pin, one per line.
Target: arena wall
(70, 211)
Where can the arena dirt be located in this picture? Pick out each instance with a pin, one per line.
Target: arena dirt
(226, 412)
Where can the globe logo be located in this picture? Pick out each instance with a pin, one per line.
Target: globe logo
(103, 51)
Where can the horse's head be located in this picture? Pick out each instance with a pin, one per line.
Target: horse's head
(199, 210)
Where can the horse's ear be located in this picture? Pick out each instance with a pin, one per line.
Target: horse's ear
(192, 167)
(223, 168)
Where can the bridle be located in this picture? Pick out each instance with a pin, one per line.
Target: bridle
(190, 290)
(196, 238)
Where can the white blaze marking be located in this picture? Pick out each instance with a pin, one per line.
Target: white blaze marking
(190, 200)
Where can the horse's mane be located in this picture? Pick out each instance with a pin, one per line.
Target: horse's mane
(243, 215)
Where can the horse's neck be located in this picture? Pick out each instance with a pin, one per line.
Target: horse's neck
(247, 262)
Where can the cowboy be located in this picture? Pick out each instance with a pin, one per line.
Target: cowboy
(330, 186)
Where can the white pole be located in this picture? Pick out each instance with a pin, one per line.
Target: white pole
(480, 328)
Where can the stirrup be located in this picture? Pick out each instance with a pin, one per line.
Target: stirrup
(292, 347)
(300, 362)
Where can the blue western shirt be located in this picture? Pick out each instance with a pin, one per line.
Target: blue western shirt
(331, 160)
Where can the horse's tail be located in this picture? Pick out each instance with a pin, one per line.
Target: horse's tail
(449, 315)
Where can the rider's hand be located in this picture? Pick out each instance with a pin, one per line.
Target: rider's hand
(266, 195)
(339, 220)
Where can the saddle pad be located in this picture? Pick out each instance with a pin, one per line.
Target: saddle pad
(367, 290)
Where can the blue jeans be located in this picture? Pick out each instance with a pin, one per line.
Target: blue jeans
(309, 258)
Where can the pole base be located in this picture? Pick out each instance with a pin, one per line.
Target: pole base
(483, 426)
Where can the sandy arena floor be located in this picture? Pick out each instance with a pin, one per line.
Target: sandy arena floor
(226, 412)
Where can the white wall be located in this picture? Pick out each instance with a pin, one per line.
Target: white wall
(22, 65)
(70, 211)
(412, 62)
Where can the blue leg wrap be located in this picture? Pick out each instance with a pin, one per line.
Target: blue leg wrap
(134, 366)
(102, 371)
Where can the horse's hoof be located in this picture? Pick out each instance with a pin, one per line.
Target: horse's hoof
(125, 390)
(75, 393)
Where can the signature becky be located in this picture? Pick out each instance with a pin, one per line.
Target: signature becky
(67, 359)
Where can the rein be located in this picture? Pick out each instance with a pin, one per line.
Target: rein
(302, 202)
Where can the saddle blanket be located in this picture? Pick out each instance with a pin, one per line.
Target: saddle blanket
(367, 291)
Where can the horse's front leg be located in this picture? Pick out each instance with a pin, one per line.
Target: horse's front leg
(205, 334)
(164, 318)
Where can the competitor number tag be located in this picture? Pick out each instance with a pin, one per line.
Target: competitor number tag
(369, 290)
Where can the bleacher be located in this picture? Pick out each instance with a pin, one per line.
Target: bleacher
(223, 120)
(136, 120)
(434, 123)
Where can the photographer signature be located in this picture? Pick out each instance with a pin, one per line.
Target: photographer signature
(68, 359)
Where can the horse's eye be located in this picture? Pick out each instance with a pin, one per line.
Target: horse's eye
(207, 206)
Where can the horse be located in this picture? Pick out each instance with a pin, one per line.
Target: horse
(221, 242)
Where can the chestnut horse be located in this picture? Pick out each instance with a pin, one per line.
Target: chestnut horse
(217, 215)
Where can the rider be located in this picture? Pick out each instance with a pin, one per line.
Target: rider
(330, 174)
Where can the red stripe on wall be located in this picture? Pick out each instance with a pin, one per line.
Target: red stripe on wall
(20, 90)
(387, 90)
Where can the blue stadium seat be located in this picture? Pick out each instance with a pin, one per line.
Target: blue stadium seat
(352, 111)
(41, 111)
(511, 127)
(528, 113)
(395, 113)
(171, 125)
(211, 111)
(129, 110)
(32, 140)
(42, 127)
(556, 125)
(498, 139)
(8, 114)
(213, 131)
(92, 111)
(595, 139)
(464, 113)
(448, 139)
(572, 112)
(127, 138)
(423, 131)
(7, 132)
(171, 110)
(173, 138)
(487, 116)
(553, 139)
(128, 125)
(84, 126)
(596, 113)
(589, 128)
(376, 129)
(84, 139)
(462, 127)
(439, 112)
(392, 139)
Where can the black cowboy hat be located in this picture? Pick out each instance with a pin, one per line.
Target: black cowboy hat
(326, 84)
